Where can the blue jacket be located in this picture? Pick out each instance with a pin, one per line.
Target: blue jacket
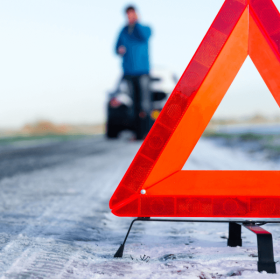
(136, 58)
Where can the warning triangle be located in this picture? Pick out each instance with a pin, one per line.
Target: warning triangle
(154, 184)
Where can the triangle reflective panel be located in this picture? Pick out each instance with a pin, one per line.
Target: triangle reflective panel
(154, 184)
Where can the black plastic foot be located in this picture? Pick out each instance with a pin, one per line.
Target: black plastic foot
(234, 235)
(119, 253)
(268, 267)
(234, 243)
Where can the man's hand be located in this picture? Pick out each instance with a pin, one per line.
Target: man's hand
(121, 50)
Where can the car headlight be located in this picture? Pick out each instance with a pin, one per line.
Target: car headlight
(155, 114)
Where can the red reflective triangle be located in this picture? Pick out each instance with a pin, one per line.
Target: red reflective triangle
(241, 28)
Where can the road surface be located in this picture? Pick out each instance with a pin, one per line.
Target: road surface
(55, 221)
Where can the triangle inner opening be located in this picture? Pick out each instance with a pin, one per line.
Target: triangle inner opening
(243, 133)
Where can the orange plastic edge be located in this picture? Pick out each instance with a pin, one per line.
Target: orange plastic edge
(204, 104)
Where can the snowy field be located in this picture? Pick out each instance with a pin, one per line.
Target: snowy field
(56, 223)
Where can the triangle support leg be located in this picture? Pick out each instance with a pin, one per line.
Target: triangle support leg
(264, 238)
(234, 235)
(265, 248)
(119, 253)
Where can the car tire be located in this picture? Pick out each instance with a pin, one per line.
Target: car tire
(112, 131)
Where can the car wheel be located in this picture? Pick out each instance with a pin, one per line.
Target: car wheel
(112, 131)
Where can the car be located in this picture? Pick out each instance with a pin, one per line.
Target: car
(120, 115)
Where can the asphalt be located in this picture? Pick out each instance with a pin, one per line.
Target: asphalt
(17, 159)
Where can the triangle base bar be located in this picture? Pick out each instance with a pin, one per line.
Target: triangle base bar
(199, 207)
(264, 239)
(244, 194)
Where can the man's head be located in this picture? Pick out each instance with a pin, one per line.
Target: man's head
(131, 14)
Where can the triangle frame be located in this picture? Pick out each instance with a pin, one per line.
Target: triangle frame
(241, 28)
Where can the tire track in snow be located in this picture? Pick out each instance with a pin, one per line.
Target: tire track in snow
(80, 174)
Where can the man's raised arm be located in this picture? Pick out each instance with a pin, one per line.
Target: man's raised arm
(142, 32)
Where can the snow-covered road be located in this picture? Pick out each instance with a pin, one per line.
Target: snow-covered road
(55, 221)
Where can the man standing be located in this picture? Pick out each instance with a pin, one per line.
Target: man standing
(132, 45)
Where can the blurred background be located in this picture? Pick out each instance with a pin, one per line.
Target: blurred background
(57, 61)
(58, 171)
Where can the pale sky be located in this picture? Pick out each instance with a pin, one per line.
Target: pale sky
(57, 58)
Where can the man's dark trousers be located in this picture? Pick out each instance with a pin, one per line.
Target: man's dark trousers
(142, 103)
